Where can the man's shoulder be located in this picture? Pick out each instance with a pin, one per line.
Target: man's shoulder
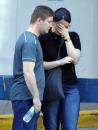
(20, 41)
(30, 37)
(26, 39)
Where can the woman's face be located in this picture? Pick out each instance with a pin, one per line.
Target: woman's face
(56, 24)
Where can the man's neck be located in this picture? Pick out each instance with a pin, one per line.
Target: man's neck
(33, 29)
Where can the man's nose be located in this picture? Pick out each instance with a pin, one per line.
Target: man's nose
(51, 25)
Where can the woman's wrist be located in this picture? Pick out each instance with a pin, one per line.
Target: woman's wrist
(67, 39)
(58, 62)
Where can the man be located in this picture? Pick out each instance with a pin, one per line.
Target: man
(64, 110)
(28, 71)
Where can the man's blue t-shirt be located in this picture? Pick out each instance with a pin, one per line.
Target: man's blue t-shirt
(27, 49)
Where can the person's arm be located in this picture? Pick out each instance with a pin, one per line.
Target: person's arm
(29, 60)
(30, 79)
(54, 64)
(71, 50)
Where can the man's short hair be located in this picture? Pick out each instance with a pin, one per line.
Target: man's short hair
(41, 11)
(62, 14)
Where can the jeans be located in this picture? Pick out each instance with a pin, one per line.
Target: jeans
(71, 107)
(20, 108)
(51, 115)
(63, 111)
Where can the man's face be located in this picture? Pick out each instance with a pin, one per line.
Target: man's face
(55, 26)
(46, 25)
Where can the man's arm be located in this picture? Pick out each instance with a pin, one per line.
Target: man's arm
(30, 79)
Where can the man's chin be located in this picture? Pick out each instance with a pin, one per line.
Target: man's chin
(45, 32)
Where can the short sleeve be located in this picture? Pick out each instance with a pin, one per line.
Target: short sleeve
(29, 51)
(76, 40)
(42, 39)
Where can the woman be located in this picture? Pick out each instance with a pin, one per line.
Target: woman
(65, 111)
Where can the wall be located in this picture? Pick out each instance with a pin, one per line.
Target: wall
(8, 25)
(15, 16)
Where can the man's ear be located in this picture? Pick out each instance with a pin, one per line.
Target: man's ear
(39, 20)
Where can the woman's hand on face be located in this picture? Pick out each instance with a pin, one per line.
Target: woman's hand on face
(64, 32)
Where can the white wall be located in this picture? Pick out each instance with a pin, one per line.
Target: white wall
(8, 24)
(95, 42)
(84, 21)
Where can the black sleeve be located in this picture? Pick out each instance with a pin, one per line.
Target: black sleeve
(75, 39)
(42, 39)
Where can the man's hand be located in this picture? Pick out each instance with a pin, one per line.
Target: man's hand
(37, 103)
(63, 32)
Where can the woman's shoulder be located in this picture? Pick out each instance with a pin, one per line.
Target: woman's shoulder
(73, 34)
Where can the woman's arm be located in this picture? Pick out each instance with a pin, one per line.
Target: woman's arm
(54, 64)
(72, 51)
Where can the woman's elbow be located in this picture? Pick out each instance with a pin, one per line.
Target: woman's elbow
(76, 60)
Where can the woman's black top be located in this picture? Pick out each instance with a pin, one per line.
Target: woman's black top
(50, 44)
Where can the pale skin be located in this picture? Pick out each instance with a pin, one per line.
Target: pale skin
(28, 66)
(61, 28)
(53, 64)
(29, 75)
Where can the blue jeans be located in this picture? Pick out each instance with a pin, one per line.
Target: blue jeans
(20, 108)
(64, 111)
(51, 115)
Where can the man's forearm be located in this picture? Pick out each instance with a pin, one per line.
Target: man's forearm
(31, 83)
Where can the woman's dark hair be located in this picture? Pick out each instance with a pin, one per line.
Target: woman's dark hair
(62, 13)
